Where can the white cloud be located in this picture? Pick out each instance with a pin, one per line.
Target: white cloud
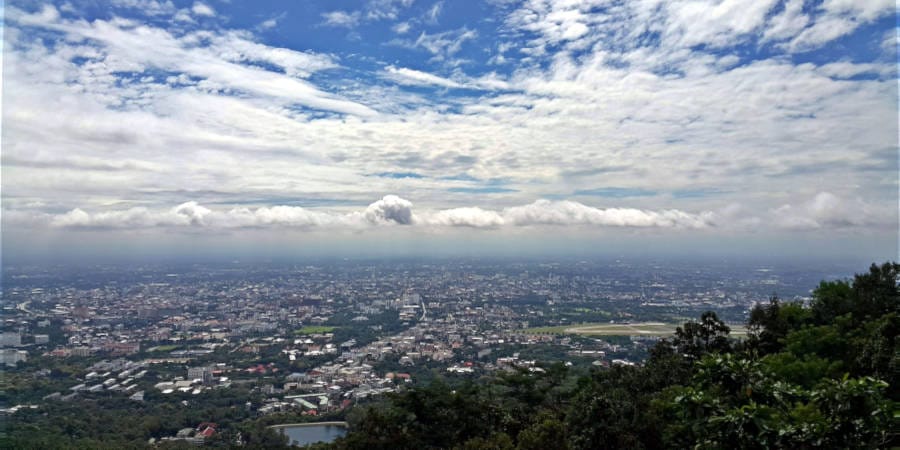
(848, 69)
(824, 30)
(183, 16)
(466, 217)
(270, 23)
(434, 12)
(191, 214)
(239, 47)
(116, 112)
(144, 46)
(838, 18)
(148, 7)
(890, 42)
(554, 22)
(787, 23)
(202, 9)
(827, 210)
(403, 75)
(823, 211)
(373, 10)
(341, 19)
(291, 216)
(191, 211)
(47, 14)
(385, 9)
(863, 10)
(442, 45)
(401, 28)
(545, 212)
(390, 209)
(715, 23)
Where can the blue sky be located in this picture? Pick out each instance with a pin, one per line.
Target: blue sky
(161, 121)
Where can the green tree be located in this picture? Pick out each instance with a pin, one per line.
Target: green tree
(831, 299)
(695, 339)
(546, 432)
(770, 323)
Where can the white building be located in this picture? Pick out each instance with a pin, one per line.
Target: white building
(10, 339)
(10, 356)
(205, 374)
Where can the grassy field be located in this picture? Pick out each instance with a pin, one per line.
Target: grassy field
(314, 329)
(164, 348)
(621, 329)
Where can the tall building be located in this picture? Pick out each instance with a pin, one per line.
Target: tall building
(201, 373)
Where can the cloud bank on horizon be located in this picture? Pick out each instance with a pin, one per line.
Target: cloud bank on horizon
(823, 211)
(703, 115)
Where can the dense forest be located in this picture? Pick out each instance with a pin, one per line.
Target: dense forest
(821, 375)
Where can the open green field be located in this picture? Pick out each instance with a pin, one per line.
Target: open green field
(164, 348)
(314, 329)
(621, 329)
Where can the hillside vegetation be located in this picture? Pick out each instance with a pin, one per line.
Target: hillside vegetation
(821, 375)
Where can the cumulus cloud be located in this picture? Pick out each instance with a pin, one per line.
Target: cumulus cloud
(341, 19)
(823, 211)
(790, 21)
(185, 214)
(838, 18)
(390, 209)
(192, 212)
(466, 217)
(202, 9)
(827, 210)
(546, 212)
(277, 216)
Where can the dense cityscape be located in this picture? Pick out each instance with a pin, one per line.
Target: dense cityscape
(314, 339)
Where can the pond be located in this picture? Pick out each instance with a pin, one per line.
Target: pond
(302, 434)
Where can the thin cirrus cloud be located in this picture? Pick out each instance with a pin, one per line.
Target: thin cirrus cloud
(372, 10)
(216, 63)
(403, 75)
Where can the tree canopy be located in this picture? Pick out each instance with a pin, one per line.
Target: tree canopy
(816, 375)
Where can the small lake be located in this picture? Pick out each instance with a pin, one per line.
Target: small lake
(310, 433)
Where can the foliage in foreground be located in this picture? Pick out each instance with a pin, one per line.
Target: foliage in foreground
(808, 376)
